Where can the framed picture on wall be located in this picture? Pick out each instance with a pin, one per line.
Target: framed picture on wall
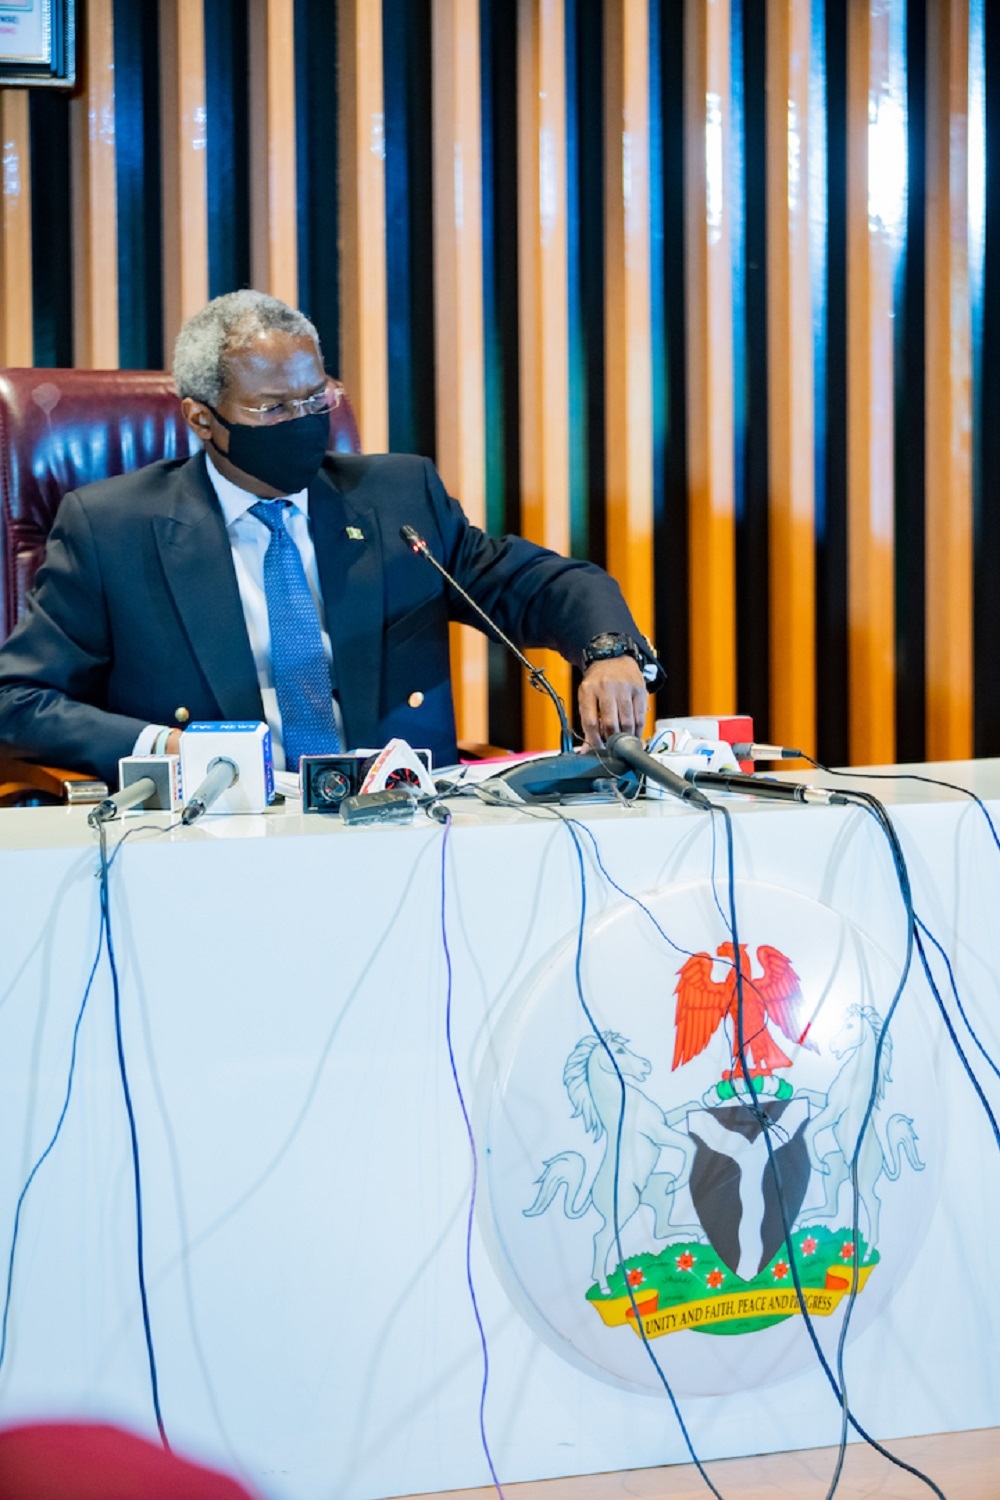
(38, 44)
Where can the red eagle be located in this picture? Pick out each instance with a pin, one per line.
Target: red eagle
(703, 1003)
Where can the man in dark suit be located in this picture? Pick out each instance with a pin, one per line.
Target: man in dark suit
(155, 607)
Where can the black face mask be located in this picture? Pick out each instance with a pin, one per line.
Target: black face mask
(287, 456)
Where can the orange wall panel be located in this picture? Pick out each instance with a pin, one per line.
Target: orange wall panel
(15, 230)
(544, 313)
(949, 388)
(95, 225)
(711, 496)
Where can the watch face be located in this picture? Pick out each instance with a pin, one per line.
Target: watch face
(609, 645)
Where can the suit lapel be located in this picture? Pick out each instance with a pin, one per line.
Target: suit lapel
(348, 546)
(197, 560)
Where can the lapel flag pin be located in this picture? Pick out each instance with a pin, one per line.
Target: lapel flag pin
(355, 534)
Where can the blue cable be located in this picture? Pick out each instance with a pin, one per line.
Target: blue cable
(949, 1027)
(958, 999)
(49, 1148)
(475, 1163)
(571, 826)
(133, 1137)
(838, 1388)
(950, 786)
(104, 935)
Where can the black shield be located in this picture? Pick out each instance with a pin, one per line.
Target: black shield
(722, 1189)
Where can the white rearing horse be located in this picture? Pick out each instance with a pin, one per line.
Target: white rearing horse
(842, 1110)
(596, 1095)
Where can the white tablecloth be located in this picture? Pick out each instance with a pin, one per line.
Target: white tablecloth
(306, 1170)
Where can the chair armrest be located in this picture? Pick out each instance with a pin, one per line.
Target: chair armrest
(20, 780)
(474, 750)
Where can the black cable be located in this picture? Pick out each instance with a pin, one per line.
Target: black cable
(51, 1145)
(766, 1125)
(952, 1034)
(925, 930)
(571, 826)
(105, 865)
(877, 810)
(951, 786)
(836, 1386)
(104, 936)
(616, 1224)
(872, 805)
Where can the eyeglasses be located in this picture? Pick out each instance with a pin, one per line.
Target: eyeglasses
(325, 400)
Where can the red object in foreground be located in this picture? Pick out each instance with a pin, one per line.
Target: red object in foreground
(76, 1461)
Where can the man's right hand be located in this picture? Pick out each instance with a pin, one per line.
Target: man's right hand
(173, 746)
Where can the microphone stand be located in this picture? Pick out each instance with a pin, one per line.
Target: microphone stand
(536, 675)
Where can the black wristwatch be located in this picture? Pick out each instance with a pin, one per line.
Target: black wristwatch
(611, 643)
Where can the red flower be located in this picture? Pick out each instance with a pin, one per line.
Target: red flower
(715, 1278)
(846, 1250)
(685, 1260)
(809, 1245)
(634, 1277)
(780, 1270)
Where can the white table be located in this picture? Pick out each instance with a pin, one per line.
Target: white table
(306, 1171)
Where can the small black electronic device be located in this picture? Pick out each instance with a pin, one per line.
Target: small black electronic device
(378, 807)
(552, 777)
(328, 779)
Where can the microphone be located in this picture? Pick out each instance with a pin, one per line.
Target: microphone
(131, 796)
(536, 675)
(766, 752)
(778, 791)
(627, 748)
(222, 774)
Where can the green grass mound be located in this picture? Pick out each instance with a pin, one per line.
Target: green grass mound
(688, 1272)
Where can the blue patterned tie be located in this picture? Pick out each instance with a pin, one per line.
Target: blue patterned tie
(301, 672)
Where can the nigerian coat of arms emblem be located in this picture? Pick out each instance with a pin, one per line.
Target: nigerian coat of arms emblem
(683, 1164)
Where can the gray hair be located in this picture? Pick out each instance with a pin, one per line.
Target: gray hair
(223, 325)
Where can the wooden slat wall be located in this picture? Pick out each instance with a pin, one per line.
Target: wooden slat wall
(711, 481)
(15, 230)
(617, 306)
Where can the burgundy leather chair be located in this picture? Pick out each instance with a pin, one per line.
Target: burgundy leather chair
(60, 429)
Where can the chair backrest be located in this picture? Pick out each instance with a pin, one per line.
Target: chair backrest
(95, 1461)
(60, 429)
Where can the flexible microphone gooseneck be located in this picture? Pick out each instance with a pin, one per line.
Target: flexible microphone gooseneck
(759, 786)
(627, 748)
(536, 675)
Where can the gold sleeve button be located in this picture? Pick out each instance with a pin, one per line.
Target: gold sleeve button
(415, 700)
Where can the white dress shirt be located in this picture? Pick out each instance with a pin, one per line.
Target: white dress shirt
(249, 538)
